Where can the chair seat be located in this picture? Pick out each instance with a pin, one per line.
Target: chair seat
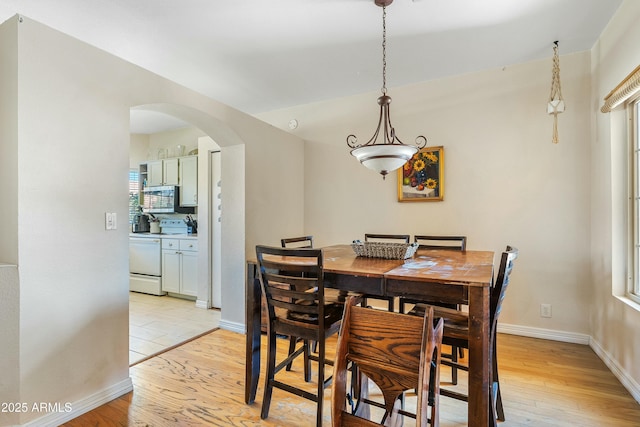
(332, 314)
(456, 322)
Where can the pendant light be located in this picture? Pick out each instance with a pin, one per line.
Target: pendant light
(390, 153)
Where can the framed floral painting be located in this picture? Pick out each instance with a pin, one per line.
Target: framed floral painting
(421, 179)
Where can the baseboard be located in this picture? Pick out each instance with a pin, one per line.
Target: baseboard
(202, 304)
(232, 326)
(82, 406)
(627, 381)
(545, 334)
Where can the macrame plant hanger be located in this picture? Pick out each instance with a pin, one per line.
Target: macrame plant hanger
(556, 103)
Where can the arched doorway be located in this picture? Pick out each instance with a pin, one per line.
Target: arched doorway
(210, 217)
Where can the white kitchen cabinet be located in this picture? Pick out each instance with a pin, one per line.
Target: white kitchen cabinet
(188, 181)
(180, 266)
(162, 172)
(170, 172)
(154, 173)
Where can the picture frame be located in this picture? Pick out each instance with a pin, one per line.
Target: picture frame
(421, 179)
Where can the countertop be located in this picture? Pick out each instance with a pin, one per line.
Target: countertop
(164, 236)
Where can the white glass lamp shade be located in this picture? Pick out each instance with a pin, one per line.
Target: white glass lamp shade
(384, 158)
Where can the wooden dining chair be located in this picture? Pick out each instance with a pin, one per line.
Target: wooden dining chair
(456, 330)
(389, 238)
(297, 242)
(454, 243)
(397, 352)
(292, 280)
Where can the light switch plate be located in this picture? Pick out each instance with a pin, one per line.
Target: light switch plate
(110, 221)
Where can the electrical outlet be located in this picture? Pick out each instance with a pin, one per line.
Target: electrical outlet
(545, 310)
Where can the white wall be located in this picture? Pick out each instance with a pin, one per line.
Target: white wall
(72, 154)
(73, 158)
(10, 339)
(9, 281)
(505, 182)
(209, 233)
(187, 136)
(138, 150)
(613, 319)
(8, 142)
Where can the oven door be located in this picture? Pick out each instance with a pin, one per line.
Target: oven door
(145, 256)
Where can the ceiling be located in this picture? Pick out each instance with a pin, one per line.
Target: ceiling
(259, 56)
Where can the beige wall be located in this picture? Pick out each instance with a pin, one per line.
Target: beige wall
(187, 136)
(138, 150)
(505, 182)
(563, 206)
(8, 142)
(71, 149)
(613, 319)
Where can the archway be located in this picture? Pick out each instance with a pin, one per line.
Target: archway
(230, 235)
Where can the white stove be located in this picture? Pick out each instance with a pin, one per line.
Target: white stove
(173, 226)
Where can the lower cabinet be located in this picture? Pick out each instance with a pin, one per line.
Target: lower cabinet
(180, 266)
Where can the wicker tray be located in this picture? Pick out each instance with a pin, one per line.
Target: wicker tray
(384, 250)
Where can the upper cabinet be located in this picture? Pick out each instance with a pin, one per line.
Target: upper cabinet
(154, 173)
(181, 171)
(162, 172)
(188, 181)
(170, 171)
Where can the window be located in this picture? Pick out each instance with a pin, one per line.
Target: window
(134, 194)
(634, 115)
(627, 96)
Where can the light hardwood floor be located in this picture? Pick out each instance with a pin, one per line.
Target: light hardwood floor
(544, 384)
(160, 322)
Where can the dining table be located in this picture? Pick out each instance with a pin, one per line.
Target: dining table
(447, 276)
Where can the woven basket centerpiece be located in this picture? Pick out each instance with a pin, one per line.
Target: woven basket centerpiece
(384, 250)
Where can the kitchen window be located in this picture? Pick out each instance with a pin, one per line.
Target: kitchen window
(134, 194)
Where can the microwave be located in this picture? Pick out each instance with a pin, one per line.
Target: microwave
(163, 199)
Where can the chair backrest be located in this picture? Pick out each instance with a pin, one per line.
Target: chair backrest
(297, 242)
(397, 351)
(458, 243)
(400, 238)
(501, 284)
(292, 283)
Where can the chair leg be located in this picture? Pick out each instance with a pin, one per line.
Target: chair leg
(292, 347)
(495, 392)
(307, 362)
(454, 370)
(433, 397)
(320, 394)
(269, 375)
